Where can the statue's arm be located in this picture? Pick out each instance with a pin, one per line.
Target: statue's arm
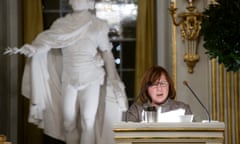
(109, 65)
(27, 49)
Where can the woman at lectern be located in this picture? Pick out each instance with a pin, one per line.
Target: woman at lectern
(157, 91)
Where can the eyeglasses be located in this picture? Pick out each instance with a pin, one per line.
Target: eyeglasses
(161, 84)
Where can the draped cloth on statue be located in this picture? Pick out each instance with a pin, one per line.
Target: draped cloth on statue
(43, 76)
(41, 84)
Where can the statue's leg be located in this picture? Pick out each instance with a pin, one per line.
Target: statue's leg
(88, 100)
(70, 112)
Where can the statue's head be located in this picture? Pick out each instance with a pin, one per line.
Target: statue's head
(78, 5)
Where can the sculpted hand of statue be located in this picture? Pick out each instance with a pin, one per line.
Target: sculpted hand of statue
(27, 50)
(11, 51)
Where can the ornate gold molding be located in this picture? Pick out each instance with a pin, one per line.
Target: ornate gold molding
(190, 26)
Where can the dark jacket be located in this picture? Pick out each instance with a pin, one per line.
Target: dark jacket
(134, 113)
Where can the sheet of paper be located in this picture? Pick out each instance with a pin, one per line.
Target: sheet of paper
(174, 116)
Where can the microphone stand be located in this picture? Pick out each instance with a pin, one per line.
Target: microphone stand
(186, 84)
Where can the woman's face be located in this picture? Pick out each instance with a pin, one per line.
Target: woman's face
(158, 91)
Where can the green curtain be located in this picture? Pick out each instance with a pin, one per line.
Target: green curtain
(32, 25)
(145, 43)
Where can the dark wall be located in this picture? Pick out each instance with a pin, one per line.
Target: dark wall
(4, 83)
(10, 69)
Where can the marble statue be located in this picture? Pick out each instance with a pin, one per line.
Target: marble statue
(71, 79)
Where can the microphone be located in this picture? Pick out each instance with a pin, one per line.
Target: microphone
(186, 84)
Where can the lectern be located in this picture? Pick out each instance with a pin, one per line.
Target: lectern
(169, 133)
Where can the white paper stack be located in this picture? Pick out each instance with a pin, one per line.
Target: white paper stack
(174, 116)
